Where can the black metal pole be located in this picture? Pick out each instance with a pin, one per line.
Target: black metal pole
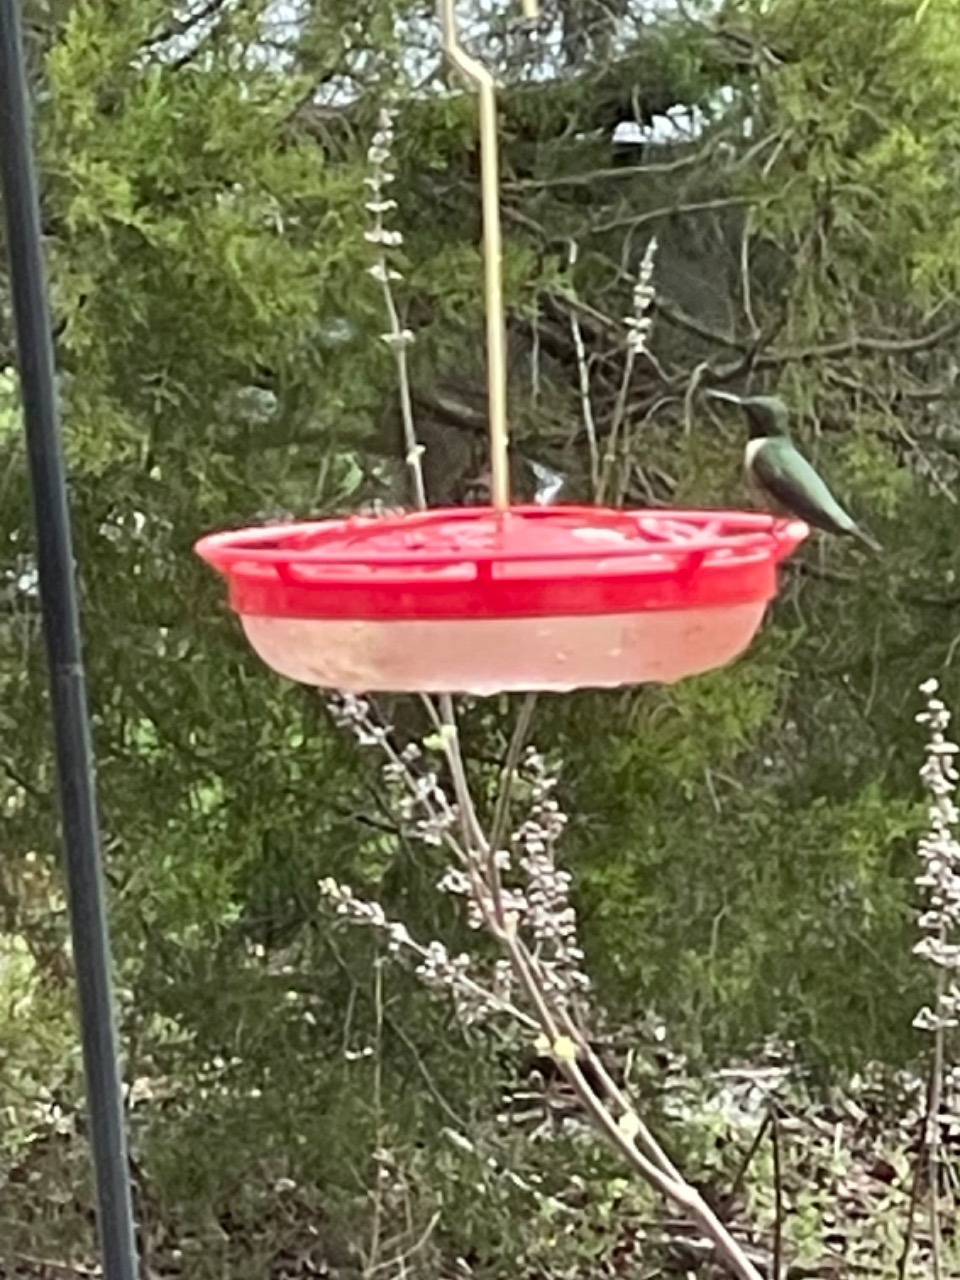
(61, 622)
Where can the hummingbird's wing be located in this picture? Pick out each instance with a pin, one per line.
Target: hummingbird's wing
(782, 470)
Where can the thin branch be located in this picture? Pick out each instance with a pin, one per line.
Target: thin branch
(858, 345)
(407, 1254)
(680, 320)
(619, 414)
(518, 741)
(587, 178)
(838, 350)
(681, 1193)
(583, 375)
(376, 1225)
(621, 1135)
(745, 285)
(910, 1229)
(931, 1136)
(668, 211)
(396, 1028)
(648, 1143)
(776, 1268)
(747, 1161)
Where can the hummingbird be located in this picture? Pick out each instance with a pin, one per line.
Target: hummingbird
(777, 468)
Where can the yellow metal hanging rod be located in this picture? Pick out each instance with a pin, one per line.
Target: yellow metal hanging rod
(478, 75)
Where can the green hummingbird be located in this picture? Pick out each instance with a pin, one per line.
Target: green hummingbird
(777, 468)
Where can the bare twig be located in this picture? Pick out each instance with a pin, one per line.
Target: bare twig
(583, 374)
(668, 211)
(776, 1268)
(518, 741)
(588, 177)
(745, 1163)
(745, 285)
(910, 1227)
(373, 1254)
(761, 358)
(570, 1046)
(502, 915)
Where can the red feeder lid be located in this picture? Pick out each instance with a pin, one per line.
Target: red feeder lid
(473, 600)
(477, 563)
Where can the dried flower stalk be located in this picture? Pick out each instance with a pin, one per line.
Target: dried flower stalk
(639, 325)
(398, 338)
(514, 892)
(939, 880)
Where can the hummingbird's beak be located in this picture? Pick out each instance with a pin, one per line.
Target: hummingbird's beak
(726, 396)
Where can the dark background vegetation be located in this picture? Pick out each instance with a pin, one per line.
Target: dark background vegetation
(741, 843)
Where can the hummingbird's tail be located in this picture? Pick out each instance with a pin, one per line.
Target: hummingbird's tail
(866, 538)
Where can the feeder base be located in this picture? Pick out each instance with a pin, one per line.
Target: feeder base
(487, 656)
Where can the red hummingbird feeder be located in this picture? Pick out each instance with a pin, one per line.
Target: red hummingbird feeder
(482, 600)
(474, 600)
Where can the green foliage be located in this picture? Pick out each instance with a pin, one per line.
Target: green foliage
(182, 210)
(700, 901)
(868, 136)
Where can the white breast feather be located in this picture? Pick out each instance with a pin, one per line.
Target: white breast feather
(752, 449)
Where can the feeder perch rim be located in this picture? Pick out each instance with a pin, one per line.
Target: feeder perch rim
(293, 541)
